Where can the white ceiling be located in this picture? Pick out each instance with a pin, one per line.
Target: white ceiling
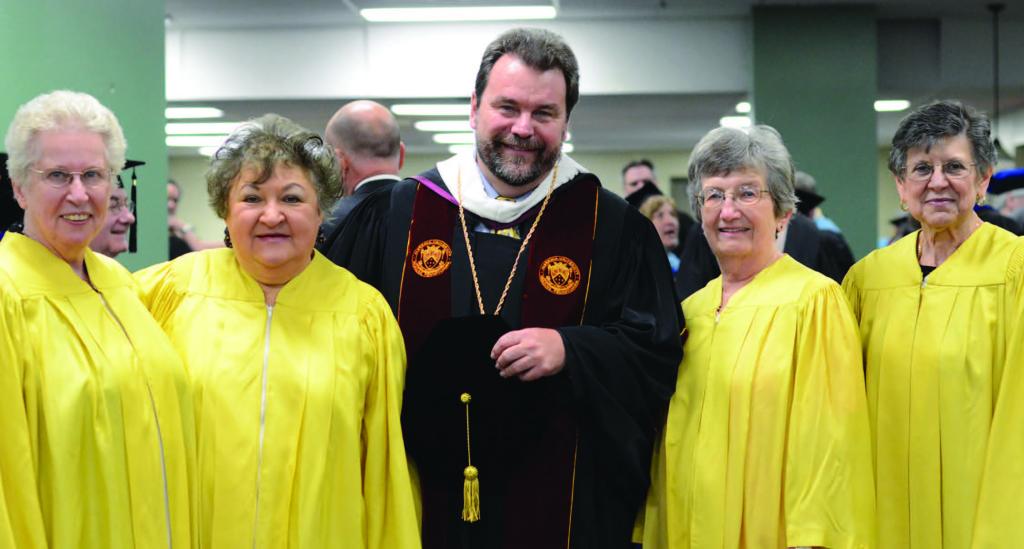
(639, 121)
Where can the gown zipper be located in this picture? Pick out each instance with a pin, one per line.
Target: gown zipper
(263, 422)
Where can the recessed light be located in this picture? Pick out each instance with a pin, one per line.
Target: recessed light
(735, 121)
(743, 107)
(173, 113)
(455, 138)
(431, 109)
(195, 140)
(477, 13)
(891, 105)
(442, 126)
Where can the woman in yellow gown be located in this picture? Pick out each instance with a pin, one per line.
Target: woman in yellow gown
(936, 319)
(297, 367)
(766, 443)
(95, 414)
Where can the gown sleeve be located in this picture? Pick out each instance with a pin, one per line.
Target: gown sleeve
(851, 287)
(158, 290)
(998, 522)
(829, 484)
(389, 495)
(622, 363)
(21, 523)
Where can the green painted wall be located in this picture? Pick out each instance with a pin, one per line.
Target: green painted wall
(815, 81)
(113, 50)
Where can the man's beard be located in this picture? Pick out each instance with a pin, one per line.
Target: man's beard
(517, 171)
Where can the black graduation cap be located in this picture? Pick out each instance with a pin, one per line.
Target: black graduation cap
(504, 417)
(1006, 181)
(132, 231)
(647, 190)
(10, 211)
(808, 201)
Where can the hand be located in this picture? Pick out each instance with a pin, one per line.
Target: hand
(529, 354)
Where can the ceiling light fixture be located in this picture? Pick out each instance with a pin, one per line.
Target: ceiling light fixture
(208, 151)
(891, 105)
(442, 126)
(459, 149)
(431, 109)
(455, 138)
(201, 128)
(194, 140)
(478, 13)
(173, 113)
(743, 107)
(739, 122)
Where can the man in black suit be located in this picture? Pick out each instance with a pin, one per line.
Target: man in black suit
(364, 135)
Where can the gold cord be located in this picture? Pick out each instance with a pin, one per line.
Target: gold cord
(515, 264)
(471, 477)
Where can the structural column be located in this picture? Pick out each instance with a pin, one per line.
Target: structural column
(815, 80)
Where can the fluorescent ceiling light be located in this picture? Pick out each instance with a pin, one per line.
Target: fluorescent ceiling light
(459, 149)
(479, 13)
(208, 151)
(192, 112)
(431, 109)
(195, 140)
(455, 138)
(891, 105)
(743, 107)
(568, 148)
(735, 121)
(201, 128)
(443, 126)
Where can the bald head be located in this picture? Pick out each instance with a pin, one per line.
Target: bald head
(365, 137)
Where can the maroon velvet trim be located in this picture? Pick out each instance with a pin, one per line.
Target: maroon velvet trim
(423, 301)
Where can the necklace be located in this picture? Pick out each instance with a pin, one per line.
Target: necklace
(515, 264)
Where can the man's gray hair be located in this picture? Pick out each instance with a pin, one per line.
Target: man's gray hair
(726, 150)
(941, 120)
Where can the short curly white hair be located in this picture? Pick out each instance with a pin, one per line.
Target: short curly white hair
(60, 110)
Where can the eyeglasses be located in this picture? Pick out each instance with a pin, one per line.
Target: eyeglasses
(954, 170)
(116, 204)
(713, 197)
(91, 177)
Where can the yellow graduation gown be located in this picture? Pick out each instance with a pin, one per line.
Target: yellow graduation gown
(934, 355)
(999, 523)
(766, 443)
(297, 405)
(95, 411)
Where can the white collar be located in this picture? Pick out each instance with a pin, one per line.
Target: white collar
(475, 198)
(378, 177)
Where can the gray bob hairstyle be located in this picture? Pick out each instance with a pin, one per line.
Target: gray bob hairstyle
(940, 120)
(55, 111)
(726, 150)
(263, 143)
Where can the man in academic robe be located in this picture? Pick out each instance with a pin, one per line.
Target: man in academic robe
(543, 345)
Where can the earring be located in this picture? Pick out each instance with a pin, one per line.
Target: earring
(982, 199)
(321, 238)
(903, 206)
(227, 238)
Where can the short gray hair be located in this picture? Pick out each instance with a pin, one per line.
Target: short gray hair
(726, 150)
(265, 142)
(55, 111)
(940, 120)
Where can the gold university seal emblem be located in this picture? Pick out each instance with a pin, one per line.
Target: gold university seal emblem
(431, 258)
(559, 275)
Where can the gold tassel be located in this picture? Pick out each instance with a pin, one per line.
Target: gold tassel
(471, 484)
(470, 495)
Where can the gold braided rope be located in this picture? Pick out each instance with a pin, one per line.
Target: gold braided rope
(515, 264)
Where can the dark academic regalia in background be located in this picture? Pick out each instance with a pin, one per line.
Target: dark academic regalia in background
(570, 449)
(823, 251)
(10, 212)
(350, 244)
(686, 223)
